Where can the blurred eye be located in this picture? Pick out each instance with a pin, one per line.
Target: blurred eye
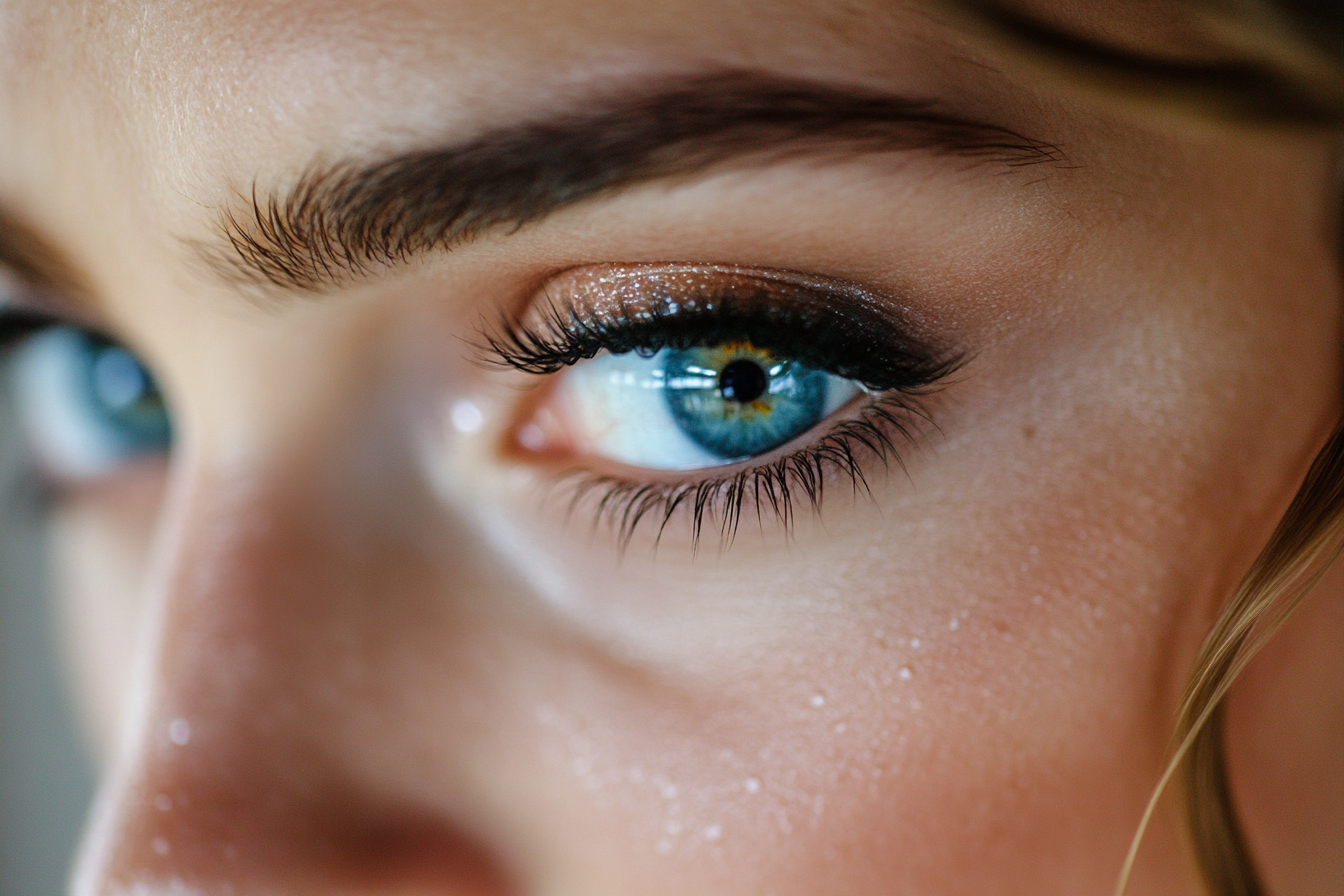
(689, 408)
(87, 404)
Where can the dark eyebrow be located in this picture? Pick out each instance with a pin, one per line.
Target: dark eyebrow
(343, 220)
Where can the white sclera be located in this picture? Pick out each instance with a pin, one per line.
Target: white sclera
(620, 411)
(617, 408)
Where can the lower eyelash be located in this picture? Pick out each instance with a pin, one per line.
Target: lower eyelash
(775, 488)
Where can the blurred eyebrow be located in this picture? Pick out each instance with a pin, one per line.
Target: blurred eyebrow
(344, 220)
(33, 269)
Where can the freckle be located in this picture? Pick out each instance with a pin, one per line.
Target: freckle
(160, 846)
(1028, 432)
(179, 732)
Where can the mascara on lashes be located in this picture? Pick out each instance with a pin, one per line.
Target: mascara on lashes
(830, 326)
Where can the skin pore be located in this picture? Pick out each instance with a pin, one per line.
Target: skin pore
(354, 638)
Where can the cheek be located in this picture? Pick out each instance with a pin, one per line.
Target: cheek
(829, 751)
(851, 716)
(100, 546)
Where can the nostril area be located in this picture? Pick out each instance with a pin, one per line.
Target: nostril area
(351, 853)
(205, 820)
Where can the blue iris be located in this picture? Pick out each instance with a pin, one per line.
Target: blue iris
(124, 398)
(737, 401)
(93, 399)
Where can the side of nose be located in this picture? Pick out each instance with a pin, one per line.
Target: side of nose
(268, 645)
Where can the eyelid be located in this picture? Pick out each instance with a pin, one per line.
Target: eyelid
(26, 309)
(646, 289)
(836, 325)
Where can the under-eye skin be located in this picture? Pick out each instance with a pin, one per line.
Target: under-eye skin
(713, 392)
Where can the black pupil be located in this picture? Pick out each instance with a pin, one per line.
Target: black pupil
(743, 381)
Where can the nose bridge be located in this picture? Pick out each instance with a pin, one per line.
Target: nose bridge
(228, 784)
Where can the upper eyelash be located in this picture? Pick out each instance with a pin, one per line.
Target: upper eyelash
(836, 341)
(16, 322)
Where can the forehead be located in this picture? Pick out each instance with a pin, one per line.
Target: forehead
(145, 119)
(221, 78)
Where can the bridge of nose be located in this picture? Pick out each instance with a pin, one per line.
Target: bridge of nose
(285, 645)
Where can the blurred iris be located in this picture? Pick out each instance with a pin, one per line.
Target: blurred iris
(87, 404)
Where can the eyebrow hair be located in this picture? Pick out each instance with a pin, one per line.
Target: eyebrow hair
(343, 220)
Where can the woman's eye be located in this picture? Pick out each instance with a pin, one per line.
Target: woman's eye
(691, 408)
(706, 368)
(87, 405)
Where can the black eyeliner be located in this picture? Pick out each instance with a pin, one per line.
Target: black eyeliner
(826, 332)
(18, 322)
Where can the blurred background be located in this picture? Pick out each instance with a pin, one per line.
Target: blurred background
(46, 776)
